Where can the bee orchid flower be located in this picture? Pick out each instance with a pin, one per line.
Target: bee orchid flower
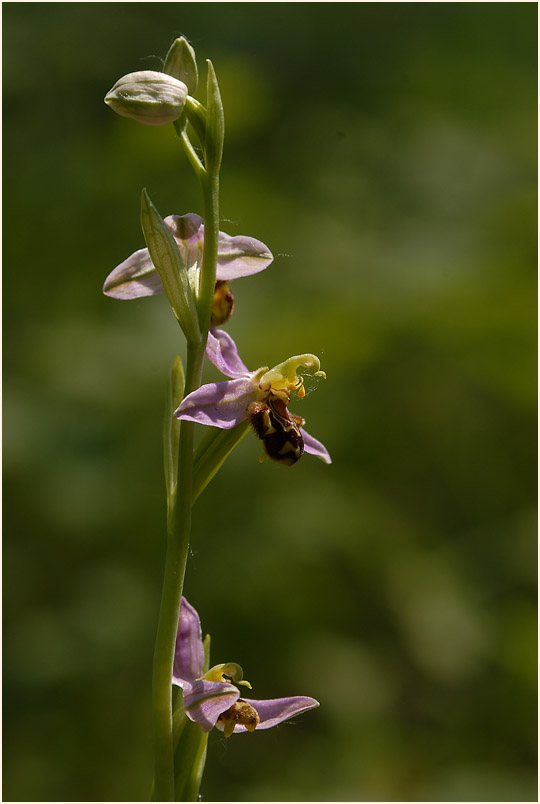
(238, 256)
(212, 699)
(261, 396)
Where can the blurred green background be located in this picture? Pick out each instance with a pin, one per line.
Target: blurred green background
(386, 153)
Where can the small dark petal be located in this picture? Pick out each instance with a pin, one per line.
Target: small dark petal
(285, 447)
(259, 417)
(188, 228)
(278, 430)
(222, 305)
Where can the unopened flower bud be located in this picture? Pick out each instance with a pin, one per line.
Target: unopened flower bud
(149, 97)
(182, 64)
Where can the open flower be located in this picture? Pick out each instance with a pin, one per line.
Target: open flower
(213, 698)
(238, 256)
(261, 396)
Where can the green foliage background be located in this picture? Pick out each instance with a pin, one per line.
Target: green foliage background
(386, 153)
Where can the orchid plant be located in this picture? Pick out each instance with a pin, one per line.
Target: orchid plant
(192, 262)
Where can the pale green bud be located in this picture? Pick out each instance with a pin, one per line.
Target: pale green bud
(182, 64)
(151, 98)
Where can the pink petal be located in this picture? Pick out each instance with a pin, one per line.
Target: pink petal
(222, 352)
(133, 278)
(276, 710)
(241, 256)
(315, 447)
(237, 256)
(189, 651)
(204, 701)
(219, 404)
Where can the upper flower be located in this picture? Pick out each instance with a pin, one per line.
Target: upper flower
(261, 396)
(237, 256)
(213, 698)
(152, 98)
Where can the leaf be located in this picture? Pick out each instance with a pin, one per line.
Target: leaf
(171, 429)
(168, 261)
(215, 124)
(212, 452)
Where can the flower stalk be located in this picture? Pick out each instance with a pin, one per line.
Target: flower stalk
(192, 262)
(178, 533)
(179, 519)
(213, 150)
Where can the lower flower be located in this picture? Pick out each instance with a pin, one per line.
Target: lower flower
(212, 699)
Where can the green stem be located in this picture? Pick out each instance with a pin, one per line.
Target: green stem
(179, 519)
(210, 185)
(189, 150)
(190, 760)
(197, 769)
(196, 114)
(178, 533)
